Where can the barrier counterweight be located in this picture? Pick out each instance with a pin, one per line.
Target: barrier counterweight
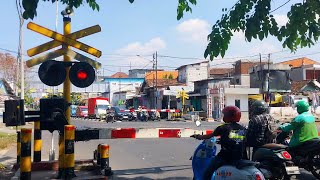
(104, 159)
(25, 165)
(37, 142)
(18, 147)
(69, 135)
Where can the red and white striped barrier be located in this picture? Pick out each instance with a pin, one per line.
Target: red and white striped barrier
(118, 133)
(153, 110)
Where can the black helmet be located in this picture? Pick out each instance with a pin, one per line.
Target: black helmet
(259, 107)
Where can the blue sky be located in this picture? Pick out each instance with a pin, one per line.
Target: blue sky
(143, 28)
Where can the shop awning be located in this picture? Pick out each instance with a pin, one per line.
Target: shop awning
(196, 94)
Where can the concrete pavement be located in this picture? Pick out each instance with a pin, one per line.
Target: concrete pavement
(139, 158)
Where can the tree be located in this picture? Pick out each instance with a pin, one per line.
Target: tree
(253, 17)
(165, 76)
(8, 67)
(170, 76)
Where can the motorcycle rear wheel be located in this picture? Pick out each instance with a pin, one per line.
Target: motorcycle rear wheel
(315, 165)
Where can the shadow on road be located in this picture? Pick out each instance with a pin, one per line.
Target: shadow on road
(150, 171)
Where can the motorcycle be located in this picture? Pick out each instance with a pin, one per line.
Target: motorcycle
(144, 116)
(154, 115)
(308, 158)
(275, 162)
(240, 170)
(110, 117)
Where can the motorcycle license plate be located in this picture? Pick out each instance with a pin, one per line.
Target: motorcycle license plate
(126, 117)
(292, 170)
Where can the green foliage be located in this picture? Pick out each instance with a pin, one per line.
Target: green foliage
(253, 17)
(30, 6)
(165, 76)
(76, 98)
(170, 76)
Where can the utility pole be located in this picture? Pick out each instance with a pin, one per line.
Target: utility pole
(20, 47)
(156, 100)
(153, 81)
(268, 76)
(261, 73)
(119, 87)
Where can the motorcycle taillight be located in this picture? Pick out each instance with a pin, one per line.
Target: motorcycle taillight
(259, 176)
(286, 155)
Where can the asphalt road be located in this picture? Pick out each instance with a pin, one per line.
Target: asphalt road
(140, 158)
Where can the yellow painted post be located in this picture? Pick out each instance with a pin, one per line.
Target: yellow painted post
(66, 85)
(66, 95)
(25, 165)
(104, 159)
(37, 143)
(69, 135)
(61, 156)
(18, 147)
(98, 154)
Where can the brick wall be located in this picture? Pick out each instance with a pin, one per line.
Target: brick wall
(243, 67)
(311, 74)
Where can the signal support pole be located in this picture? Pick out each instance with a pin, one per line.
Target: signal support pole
(66, 84)
(66, 95)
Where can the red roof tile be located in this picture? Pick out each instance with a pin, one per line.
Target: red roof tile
(299, 62)
(119, 75)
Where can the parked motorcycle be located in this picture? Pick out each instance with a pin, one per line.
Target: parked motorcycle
(154, 115)
(240, 170)
(308, 158)
(144, 116)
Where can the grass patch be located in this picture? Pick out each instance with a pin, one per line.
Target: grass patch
(7, 139)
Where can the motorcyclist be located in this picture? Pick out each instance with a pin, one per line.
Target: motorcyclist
(303, 126)
(259, 130)
(232, 136)
(109, 114)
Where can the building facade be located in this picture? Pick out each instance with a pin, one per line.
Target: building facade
(190, 73)
(121, 85)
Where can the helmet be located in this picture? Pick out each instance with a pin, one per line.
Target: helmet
(259, 107)
(231, 114)
(302, 106)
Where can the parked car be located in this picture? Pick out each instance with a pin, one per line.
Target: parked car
(121, 114)
(82, 111)
(73, 110)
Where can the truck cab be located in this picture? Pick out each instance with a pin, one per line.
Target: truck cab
(97, 107)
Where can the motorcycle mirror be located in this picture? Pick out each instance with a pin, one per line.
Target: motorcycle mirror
(198, 123)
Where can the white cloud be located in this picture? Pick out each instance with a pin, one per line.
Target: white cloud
(138, 48)
(263, 47)
(281, 19)
(238, 35)
(194, 30)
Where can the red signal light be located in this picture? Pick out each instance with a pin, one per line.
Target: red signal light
(82, 75)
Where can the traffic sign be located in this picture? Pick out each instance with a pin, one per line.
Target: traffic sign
(51, 55)
(74, 55)
(52, 44)
(63, 39)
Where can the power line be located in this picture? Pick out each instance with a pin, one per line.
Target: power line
(280, 6)
(11, 51)
(300, 55)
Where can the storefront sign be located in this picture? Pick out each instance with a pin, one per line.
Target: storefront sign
(214, 91)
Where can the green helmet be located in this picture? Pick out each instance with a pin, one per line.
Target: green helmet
(302, 106)
(259, 107)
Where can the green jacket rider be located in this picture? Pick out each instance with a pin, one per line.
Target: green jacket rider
(303, 126)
